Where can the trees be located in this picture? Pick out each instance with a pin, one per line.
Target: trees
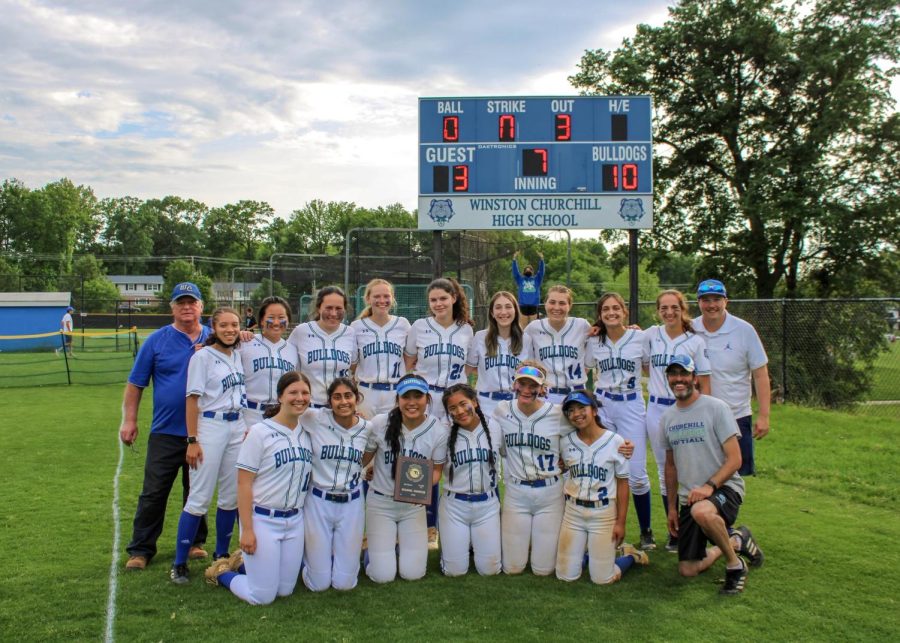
(237, 230)
(179, 271)
(778, 136)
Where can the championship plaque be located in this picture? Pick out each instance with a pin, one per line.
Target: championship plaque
(412, 482)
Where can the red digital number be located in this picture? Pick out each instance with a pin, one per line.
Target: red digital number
(507, 125)
(460, 178)
(629, 176)
(563, 127)
(451, 129)
(543, 155)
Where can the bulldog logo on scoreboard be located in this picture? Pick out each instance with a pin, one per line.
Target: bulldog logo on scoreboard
(441, 211)
(631, 210)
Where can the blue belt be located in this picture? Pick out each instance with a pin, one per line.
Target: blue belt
(665, 401)
(590, 504)
(228, 417)
(543, 482)
(318, 406)
(378, 493)
(335, 497)
(618, 397)
(471, 497)
(379, 386)
(276, 513)
(564, 390)
(496, 395)
(439, 389)
(262, 406)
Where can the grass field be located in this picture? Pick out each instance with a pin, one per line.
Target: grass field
(824, 508)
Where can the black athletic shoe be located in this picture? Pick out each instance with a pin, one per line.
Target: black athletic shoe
(672, 544)
(179, 574)
(734, 580)
(749, 548)
(647, 543)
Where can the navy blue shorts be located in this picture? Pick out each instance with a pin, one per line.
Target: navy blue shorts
(748, 465)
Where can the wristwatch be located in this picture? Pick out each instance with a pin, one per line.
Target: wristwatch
(192, 439)
(709, 482)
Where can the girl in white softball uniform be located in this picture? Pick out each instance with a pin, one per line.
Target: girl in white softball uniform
(470, 509)
(497, 351)
(214, 401)
(533, 501)
(266, 358)
(274, 469)
(558, 342)
(326, 346)
(436, 350)
(392, 526)
(675, 336)
(617, 355)
(596, 489)
(380, 340)
(335, 510)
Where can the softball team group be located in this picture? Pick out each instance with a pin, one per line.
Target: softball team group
(291, 431)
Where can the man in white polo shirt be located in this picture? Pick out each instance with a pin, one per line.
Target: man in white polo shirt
(735, 354)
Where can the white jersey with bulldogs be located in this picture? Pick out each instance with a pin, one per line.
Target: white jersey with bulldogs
(282, 461)
(659, 349)
(531, 441)
(379, 362)
(426, 441)
(218, 379)
(440, 352)
(380, 349)
(338, 452)
(322, 356)
(593, 468)
(470, 461)
(618, 363)
(264, 364)
(562, 352)
(495, 372)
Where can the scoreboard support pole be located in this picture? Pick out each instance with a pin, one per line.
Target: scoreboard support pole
(438, 237)
(633, 276)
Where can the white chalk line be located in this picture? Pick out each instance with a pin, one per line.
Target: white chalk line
(114, 563)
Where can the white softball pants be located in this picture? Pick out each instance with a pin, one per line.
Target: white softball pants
(389, 523)
(531, 516)
(221, 442)
(334, 532)
(465, 523)
(628, 419)
(588, 528)
(273, 568)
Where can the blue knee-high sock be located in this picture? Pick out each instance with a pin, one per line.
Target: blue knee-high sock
(624, 563)
(225, 519)
(187, 531)
(642, 508)
(226, 578)
(431, 511)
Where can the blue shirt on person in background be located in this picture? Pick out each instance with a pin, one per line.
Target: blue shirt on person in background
(164, 358)
(529, 287)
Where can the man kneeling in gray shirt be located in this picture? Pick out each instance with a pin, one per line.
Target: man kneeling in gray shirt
(702, 462)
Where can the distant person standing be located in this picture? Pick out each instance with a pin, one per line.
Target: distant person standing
(736, 355)
(249, 319)
(528, 283)
(66, 328)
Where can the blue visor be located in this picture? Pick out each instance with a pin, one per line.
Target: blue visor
(577, 397)
(530, 373)
(412, 384)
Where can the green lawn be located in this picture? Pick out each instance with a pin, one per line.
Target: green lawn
(823, 507)
(886, 375)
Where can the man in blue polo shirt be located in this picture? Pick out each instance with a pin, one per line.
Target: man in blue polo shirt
(163, 359)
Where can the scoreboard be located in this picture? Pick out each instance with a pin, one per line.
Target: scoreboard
(530, 163)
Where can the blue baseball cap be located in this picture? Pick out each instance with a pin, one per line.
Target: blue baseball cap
(579, 397)
(70, 310)
(711, 287)
(683, 361)
(415, 383)
(186, 289)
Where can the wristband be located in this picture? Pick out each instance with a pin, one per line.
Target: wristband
(713, 485)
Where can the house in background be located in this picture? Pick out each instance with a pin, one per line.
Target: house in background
(138, 290)
(234, 293)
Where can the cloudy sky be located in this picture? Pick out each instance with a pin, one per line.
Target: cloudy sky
(277, 101)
